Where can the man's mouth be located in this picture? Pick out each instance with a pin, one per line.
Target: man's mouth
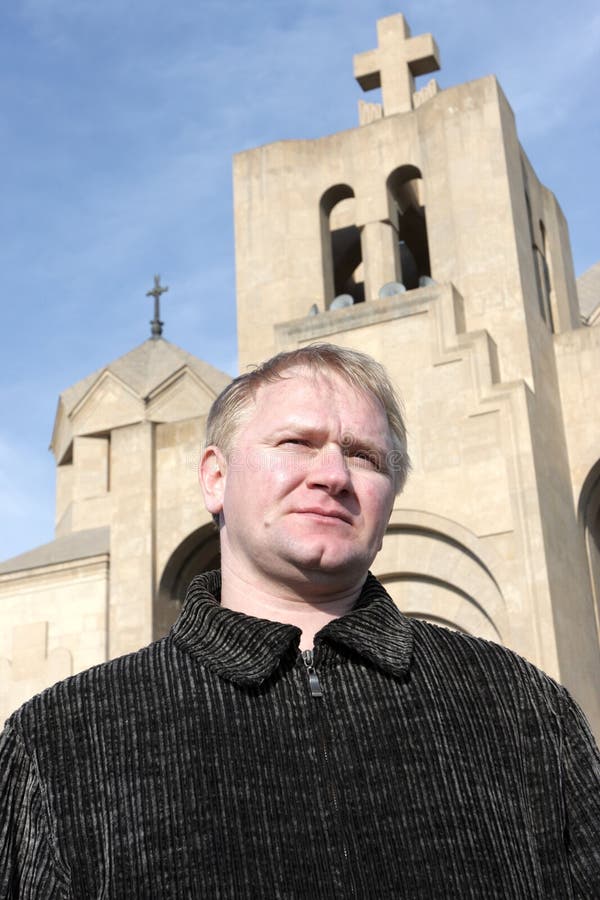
(335, 514)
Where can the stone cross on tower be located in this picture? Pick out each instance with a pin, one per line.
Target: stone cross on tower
(158, 289)
(395, 62)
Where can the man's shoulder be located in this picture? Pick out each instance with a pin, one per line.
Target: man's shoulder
(463, 659)
(106, 691)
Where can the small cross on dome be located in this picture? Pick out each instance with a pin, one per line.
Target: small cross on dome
(156, 324)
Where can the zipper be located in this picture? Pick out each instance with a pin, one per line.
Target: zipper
(314, 684)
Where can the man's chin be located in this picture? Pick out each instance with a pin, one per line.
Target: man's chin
(322, 566)
(322, 556)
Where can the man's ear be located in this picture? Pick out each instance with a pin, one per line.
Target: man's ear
(212, 474)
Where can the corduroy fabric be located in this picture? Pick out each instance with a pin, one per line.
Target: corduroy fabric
(434, 765)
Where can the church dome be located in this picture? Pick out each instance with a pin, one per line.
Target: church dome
(156, 381)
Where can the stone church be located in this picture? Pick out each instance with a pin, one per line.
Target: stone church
(423, 237)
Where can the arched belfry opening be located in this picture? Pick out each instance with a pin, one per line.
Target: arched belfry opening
(407, 215)
(545, 283)
(589, 516)
(199, 552)
(541, 269)
(342, 253)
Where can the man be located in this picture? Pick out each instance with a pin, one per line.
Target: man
(295, 736)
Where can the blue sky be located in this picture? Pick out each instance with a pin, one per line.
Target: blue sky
(118, 122)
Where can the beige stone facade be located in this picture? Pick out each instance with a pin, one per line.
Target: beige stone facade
(424, 237)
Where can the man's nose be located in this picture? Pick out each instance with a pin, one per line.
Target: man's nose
(330, 471)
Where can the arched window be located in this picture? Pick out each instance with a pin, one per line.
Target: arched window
(437, 570)
(199, 552)
(342, 254)
(407, 214)
(541, 255)
(540, 264)
(589, 516)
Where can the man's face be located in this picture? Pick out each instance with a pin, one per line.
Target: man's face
(307, 492)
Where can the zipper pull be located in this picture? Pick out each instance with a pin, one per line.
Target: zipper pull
(313, 678)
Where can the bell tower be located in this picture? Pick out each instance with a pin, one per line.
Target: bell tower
(424, 237)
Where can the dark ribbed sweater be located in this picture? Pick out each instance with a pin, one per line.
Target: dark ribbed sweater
(433, 765)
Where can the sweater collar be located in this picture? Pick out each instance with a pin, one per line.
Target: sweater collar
(247, 650)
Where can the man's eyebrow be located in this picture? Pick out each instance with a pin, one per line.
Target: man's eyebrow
(349, 442)
(365, 445)
(294, 424)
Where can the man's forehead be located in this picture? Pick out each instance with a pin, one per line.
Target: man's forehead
(296, 388)
(299, 384)
(300, 380)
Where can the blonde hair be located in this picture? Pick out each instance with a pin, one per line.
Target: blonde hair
(362, 371)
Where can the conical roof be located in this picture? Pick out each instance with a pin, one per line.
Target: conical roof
(146, 367)
(142, 376)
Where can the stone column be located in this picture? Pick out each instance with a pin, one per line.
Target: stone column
(132, 540)
(381, 256)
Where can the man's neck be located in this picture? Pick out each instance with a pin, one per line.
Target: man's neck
(309, 609)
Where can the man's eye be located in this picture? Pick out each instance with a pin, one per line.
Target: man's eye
(295, 442)
(365, 459)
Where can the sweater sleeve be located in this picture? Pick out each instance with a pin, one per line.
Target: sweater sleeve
(581, 760)
(28, 863)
